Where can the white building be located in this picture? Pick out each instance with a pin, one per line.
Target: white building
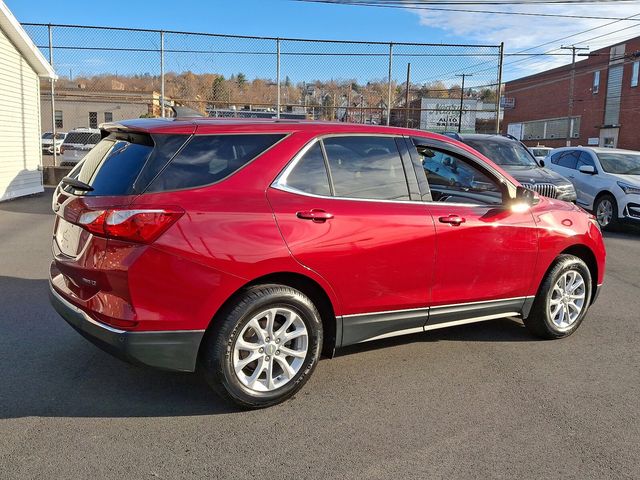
(21, 68)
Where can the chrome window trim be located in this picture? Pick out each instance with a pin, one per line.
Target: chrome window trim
(280, 182)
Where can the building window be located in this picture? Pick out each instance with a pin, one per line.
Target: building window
(596, 82)
(93, 119)
(108, 116)
(58, 118)
(550, 129)
(634, 74)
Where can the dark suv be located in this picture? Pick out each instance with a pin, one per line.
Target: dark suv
(516, 159)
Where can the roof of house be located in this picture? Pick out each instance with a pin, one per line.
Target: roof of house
(20, 39)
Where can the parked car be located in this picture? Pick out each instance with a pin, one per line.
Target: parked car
(47, 142)
(540, 152)
(516, 159)
(247, 248)
(607, 181)
(77, 144)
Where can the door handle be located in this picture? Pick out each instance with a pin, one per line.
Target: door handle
(316, 215)
(454, 220)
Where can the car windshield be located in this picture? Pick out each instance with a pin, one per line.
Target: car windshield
(47, 136)
(503, 152)
(620, 163)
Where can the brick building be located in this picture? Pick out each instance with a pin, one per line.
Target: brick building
(606, 102)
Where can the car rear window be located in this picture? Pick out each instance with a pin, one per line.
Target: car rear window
(125, 163)
(207, 159)
(503, 152)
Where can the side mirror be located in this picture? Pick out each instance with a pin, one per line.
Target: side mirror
(541, 162)
(588, 169)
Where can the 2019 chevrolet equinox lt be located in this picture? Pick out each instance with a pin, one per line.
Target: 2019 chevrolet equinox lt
(246, 249)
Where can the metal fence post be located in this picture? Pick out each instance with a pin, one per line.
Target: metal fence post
(389, 85)
(278, 77)
(162, 114)
(53, 101)
(406, 96)
(499, 87)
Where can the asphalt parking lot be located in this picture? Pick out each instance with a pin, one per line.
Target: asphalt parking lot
(476, 401)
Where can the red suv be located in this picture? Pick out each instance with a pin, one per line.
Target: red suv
(247, 249)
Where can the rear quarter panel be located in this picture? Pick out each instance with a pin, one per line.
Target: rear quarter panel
(228, 237)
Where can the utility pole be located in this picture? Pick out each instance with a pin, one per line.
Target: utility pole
(572, 81)
(463, 75)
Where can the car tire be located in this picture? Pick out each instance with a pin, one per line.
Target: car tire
(244, 357)
(562, 300)
(606, 211)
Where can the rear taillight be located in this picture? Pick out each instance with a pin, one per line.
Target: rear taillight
(134, 225)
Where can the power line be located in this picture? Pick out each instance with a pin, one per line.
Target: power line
(538, 46)
(420, 6)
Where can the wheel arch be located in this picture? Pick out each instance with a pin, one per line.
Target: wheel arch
(585, 254)
(311, 289)
(601, 194)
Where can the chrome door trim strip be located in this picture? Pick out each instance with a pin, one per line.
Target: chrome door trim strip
(453, 323)
(437, 306)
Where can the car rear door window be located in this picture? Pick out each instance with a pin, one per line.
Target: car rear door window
(207, 159)
(310, 173)
(368, 167)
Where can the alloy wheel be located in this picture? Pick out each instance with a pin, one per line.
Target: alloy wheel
(567, 299)
(271, 349)
(604, 212)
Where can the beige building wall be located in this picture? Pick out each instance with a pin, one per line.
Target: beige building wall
(75, 113)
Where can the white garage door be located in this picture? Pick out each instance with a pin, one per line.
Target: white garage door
(19, 124)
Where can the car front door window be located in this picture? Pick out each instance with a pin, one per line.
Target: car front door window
(454, 179)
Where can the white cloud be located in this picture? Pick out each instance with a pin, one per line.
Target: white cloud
(523, 32)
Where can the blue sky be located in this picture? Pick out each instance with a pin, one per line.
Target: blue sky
(286, 18)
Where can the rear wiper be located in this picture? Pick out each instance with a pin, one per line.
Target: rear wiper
(77, 184)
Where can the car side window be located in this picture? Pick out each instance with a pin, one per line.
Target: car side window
(584, 159)
(368, 167)
(567, 159)
(455, 179)
(310, 173)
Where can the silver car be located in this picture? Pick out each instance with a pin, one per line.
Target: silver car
(607, 181)
(77, 144)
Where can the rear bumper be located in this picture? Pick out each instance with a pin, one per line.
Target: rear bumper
(168, 350)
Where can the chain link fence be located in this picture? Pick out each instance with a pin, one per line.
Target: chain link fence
(110, 74)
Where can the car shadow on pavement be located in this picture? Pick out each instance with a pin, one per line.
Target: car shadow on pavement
(38, 203)
(500, 330)
(49, 370)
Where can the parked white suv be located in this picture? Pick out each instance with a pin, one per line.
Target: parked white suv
(77, 144)
(607, 180)
(47, 142)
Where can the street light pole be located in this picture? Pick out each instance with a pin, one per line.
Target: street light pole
(463, 75)
(572, 81)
